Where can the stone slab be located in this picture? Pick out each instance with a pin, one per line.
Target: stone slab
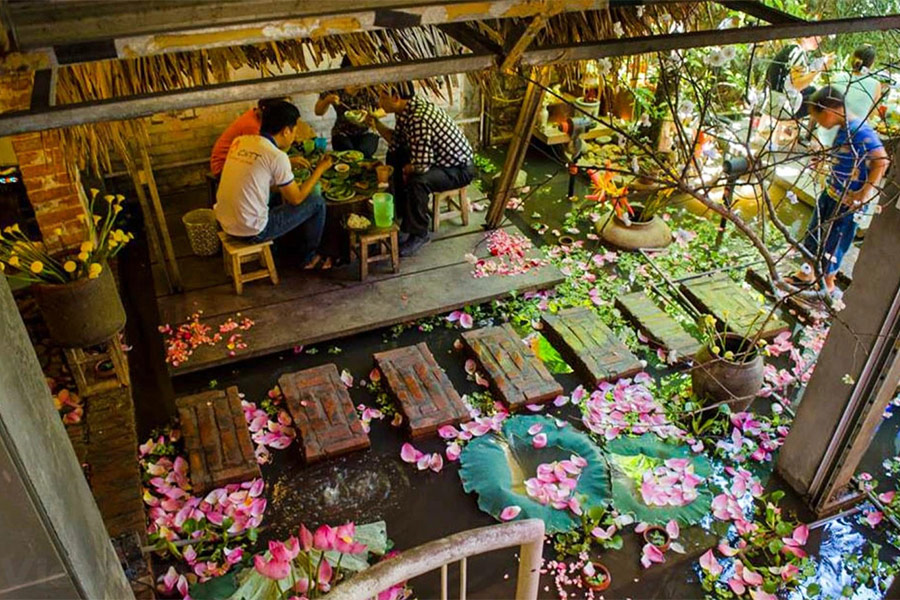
(323, 413)
(423, 391)
(217, 439)
(733, 305)
(658, 325)
(589, 346)
(516, 375)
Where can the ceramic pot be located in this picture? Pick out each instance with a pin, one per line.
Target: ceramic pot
(657, 529)
(81, 313)
(716, 379)
(600, 569)
(652, 234)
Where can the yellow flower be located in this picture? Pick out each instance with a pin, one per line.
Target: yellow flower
(16, 229)
(2, 267)
(69, 266)
(729, 355)
(81, 218)
(109, 198)
(87, 246)
(112, 243)
(94, 270)
(715, 350)
(14, 260)
(117, 209)
(96, 219)
(37, 266)
(57, 231)
(94, 192)
(83, 256)
(120, 198)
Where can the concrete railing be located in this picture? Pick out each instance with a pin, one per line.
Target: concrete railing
(528, 534)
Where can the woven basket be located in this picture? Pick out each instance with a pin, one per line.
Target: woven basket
(202, 231)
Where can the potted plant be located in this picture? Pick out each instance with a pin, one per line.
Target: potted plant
(630, 226)
(658, 536)
(75, 291)
(596, 576)
(729, 366)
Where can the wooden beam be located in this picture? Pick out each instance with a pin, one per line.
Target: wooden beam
(141, 106)
(757, 9)
(162, 28)
(699, 39)
(43, 92)
(534, 27)
(518, 146)
(471, 38)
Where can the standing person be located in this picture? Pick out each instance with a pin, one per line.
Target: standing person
(256, 166)
(859, 161)
(246, 124)
(861, 89)
(346, 134)
(429, 153)
(790, 77)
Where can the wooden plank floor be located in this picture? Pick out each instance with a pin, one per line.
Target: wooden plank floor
(589, 346)
(658, 325)
(731, 304)
(308, 308)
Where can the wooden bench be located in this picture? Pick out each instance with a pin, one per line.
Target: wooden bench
(589, 346)
(217, 439)
(658, 325)
(323, 413)
(236, 252)
(516, 375)
(448, 205)
(423, 391)
(386, 248)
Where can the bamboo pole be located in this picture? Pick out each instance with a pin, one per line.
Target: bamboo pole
(170, 263)
(518, 145)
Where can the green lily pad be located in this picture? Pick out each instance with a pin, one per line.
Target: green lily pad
(495, 466)
(630, 457)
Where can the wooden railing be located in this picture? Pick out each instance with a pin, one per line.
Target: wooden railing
(528, 534)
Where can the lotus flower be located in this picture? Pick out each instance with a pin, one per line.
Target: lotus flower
(325, 538)
(323, 576)
(273, 569)
(306, 538)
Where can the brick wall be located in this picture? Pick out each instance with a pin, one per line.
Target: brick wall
(56, 196)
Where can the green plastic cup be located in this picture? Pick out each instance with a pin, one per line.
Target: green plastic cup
(383, 207)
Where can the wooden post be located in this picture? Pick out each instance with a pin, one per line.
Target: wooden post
(518, 145)
(170, 263)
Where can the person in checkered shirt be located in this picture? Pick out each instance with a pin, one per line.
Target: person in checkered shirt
(429, 154)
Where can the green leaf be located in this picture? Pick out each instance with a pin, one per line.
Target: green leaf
(847, 592)
(813, 589)
(784, 529)
(776, 496)
(614, 543)
(215, 588)
(775, 546)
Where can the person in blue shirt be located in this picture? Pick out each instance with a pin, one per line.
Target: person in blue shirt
(858, 163)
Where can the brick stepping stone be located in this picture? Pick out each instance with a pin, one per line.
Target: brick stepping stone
(217, 439)
(517, 376)
(658, 325)
(719, 296)
(422, 389)
(758, 277)
(323, 413)
(589, 346)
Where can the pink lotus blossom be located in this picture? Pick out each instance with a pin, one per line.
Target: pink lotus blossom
(324, 538)
(271, 568)
(324, 575)
(510, 512)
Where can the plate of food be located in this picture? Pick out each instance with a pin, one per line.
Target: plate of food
(350, 156)
(342, 168)
(357, 117)
(358, 222)
(339, 193)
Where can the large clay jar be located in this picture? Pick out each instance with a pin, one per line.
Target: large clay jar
(81, 313)
(716, 379)
(651, 234)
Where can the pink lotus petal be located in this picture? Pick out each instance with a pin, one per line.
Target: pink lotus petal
(737, 586)
(752, 577)
(424, 462)
(672, 529)
(510, 512)
(347, 378)
(409, 453)
(539, 441)
(453, 317)
(471, 366)
(709, 564)
(887, 497)
(651, 554)
(448, 432)
(535, 407)
(800, 535)
(759, 594)
(874, 517)
(436, 463)
(453, 451)
(481, 380)
(727, 550)
(535, 429)
(465, 321)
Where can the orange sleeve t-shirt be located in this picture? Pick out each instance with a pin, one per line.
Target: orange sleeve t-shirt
(247, 124)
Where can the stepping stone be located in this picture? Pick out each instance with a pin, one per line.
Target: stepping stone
(719, 295)
(658, 325)
(323, 413)
(758, 277)
(422, 389)
(517, 376)
(589, 346)
(216, 439)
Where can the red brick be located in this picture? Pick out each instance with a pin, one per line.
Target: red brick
(53, 193)
(32, 157)
(37, 171)
(26, 143)
(60, 215)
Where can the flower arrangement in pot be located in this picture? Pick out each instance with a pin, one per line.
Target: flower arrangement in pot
(729, 365)
(632, 225)
(75, 290)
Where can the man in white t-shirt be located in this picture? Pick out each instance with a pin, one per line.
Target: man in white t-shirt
(255, 167)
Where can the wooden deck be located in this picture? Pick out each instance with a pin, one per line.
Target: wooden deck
(312, 307)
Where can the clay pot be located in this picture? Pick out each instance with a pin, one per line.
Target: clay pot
(81, 313)
(716, 379)
(652, 234)
(600, 569)
(657, 529)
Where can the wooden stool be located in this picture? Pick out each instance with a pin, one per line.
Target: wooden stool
(455, 201)
(388, 247)
(236, 252)
(84, 367)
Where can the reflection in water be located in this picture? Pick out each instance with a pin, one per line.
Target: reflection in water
(337, 491)
(839, 540)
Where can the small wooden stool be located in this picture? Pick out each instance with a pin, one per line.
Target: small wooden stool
(236, 252)
(84, 368)
(456, 202)
(388, 248)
